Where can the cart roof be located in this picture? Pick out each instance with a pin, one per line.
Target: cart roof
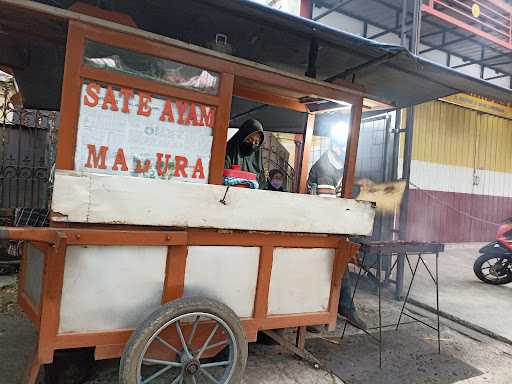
(388, 73)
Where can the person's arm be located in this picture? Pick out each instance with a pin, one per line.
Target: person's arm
(262, 179)
(312, 181)
(227, 162)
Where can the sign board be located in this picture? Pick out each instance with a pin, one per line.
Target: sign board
(132, 133)
(479, 104)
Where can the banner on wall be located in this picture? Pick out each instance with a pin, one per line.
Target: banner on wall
(132, 133)
(479, 104)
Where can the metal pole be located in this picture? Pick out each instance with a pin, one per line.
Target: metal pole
(416, 27)
(306, 9)
(404, 19)
(386, 222)
(406, 170)
(380, 308)
(400, 267)
(437, 305)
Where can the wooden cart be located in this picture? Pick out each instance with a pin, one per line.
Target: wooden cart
(178, 276)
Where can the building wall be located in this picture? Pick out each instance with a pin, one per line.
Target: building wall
(352, 25)
(461, 174)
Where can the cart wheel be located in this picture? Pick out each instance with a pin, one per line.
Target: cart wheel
(176, 342)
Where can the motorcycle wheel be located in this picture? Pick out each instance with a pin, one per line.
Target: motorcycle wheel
(493, 269)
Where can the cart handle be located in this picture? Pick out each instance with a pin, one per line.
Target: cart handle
(44, 235)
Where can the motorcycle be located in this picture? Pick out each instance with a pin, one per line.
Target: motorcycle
(494, 265)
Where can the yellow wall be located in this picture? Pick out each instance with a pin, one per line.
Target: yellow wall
(452, 135)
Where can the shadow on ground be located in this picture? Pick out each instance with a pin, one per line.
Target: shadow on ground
(407, 358)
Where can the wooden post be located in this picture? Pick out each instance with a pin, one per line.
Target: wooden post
(220, 131)
(350, 158)
(301, 338)
(306, 151)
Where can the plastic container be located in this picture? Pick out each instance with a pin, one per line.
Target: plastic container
(236, 172)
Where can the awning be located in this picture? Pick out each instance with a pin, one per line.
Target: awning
(390, 73)
(255, 32)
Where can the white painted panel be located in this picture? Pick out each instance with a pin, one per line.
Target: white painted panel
(110, 287)
(227, 274)
(451, 178)
(94, 198)
(34, 274)
(132, 138)
(300, 281)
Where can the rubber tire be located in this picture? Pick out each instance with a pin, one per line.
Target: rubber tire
(139, 338)
(477, 268)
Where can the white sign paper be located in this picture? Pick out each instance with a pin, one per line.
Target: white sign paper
(132, 133)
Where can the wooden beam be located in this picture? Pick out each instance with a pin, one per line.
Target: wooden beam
(265, 97)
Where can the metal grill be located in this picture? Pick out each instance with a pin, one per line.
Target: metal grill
(27, 154)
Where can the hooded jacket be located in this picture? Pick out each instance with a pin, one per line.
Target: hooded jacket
(251, 162)
(325, 175)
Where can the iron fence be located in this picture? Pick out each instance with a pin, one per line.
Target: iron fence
(27, 154)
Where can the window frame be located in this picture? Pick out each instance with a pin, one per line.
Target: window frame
(238, 77)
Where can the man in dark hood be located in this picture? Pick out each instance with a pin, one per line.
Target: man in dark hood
(326, 174)
(244, 149)
(325, 179)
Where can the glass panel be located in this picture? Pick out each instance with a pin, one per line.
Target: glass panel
(278, 152)
(131, 133)
(279, 156)
(327, 153)
(148, 67)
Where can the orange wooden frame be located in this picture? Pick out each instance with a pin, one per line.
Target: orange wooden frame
(53, 242)
(235, 79)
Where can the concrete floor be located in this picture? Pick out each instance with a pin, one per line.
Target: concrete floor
(409, 354)
(464, 297)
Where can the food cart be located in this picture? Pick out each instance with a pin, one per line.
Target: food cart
(148, 256)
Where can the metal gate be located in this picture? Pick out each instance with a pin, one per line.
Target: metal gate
(27, 155)
(375, 162)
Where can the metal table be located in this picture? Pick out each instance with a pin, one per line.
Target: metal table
(373, 254)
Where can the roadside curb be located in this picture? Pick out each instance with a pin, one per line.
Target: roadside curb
(455, 246)
(464, 323)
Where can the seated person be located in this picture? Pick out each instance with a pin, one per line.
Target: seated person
(244, 149)
(275, 181)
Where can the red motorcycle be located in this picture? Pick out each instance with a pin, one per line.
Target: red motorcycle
(494, 266)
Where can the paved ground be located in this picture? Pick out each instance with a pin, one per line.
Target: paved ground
(409, 354)
(462, 295)
(7, 280)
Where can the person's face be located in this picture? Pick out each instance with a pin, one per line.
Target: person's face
(277, 178)
(339, 151)
(254, 138)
